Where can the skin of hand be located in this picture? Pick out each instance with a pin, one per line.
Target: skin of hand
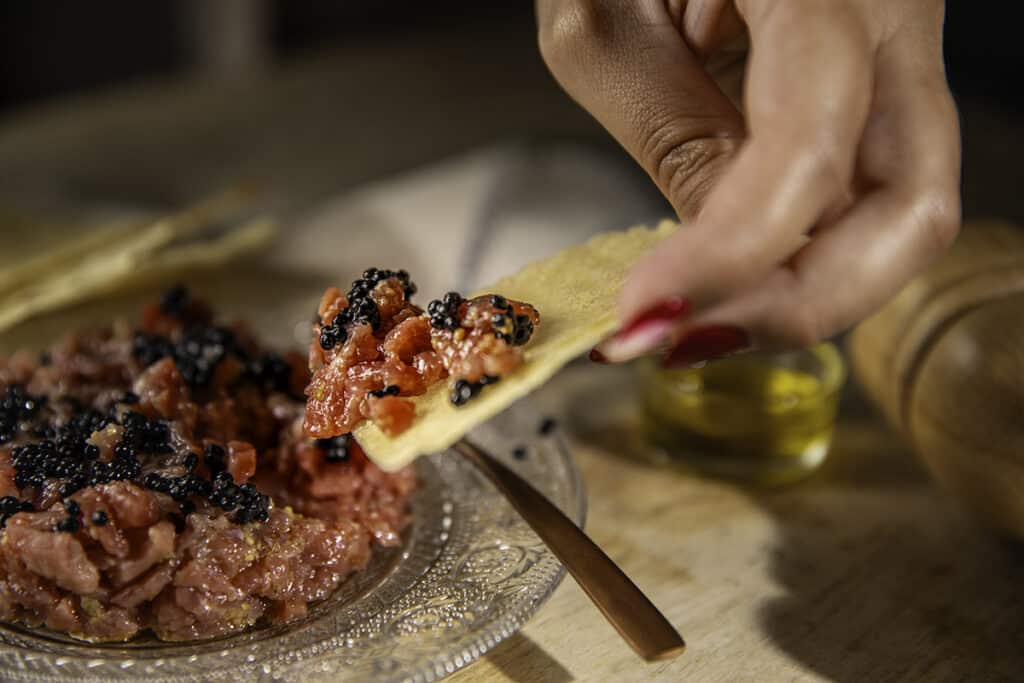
(811, 149)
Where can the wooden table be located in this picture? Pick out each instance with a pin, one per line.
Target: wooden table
(865, 572)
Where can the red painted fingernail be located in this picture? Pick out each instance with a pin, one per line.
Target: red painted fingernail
(596, 356)
(707, 343)
(645, 332)
(669, 310)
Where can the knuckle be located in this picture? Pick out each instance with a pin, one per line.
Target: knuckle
(685, 167)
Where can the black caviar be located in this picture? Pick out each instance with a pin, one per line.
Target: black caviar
(69, 457)
(70, 523)
(514, 329)
(509, 327)
(253, 506)
(67, 525)
(214, 456)
(463, 390)
(33, 471)
(10, 506)
(335, 449)
(248, 503)
(361, 309)
(374, 276)
(270, 371)
(547, 425)
(178, 488)
(444, 312)
(100, 432)
(201, 350)
(390, 390)
(175, 300)
(16, 408)
(245, 500)
(197, 355)
(142, 435)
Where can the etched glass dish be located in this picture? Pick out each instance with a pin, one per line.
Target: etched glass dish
(469, 574)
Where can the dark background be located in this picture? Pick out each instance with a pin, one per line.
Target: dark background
(56, 47)
(51, 49)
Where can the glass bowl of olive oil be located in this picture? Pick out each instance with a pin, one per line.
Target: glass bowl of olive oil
(765, 418)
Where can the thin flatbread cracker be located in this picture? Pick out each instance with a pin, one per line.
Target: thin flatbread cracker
(35, 266)
(575, 292)
(60, 252)
(204, 254)
(100, 267)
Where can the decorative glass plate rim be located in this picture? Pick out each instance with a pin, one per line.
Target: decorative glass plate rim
(401, 574)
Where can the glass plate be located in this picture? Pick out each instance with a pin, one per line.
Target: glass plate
(469, 574)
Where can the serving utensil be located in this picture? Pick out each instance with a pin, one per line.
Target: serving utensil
(632, 614)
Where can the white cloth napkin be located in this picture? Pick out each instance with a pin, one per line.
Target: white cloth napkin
(464, 222)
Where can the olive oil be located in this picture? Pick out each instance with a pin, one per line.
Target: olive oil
(765, 418)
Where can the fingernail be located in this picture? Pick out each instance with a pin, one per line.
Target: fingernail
(596, 356)
(707, 343)
(647, 331)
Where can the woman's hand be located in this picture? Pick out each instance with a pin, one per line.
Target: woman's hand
(805, 209)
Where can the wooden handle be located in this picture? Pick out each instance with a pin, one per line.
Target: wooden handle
(636, 619)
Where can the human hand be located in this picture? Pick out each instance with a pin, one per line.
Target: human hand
(804, 210)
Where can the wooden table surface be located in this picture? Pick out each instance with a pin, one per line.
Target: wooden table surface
(865, 572)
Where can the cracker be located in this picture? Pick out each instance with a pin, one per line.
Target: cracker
(120, 256)
(575, 292)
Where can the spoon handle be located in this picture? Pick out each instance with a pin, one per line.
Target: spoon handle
(636, 619)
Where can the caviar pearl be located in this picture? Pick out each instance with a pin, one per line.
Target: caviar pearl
(335, 449)
(361, 309)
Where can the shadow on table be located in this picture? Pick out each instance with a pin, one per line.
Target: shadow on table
(880, 591)
(875, 589)
(521, 659)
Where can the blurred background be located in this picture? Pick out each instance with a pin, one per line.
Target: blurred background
(52, 50)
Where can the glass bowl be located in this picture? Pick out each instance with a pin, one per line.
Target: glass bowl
(469, 575)
(760, 417)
